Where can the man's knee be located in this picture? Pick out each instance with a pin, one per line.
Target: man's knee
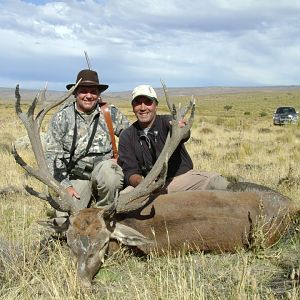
(218, 182)
(114, 176)
(107, 179)
(108, 174)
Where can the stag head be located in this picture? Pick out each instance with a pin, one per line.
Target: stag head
(90, 230)
(88, 236)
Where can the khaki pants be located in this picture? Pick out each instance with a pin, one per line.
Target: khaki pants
(192, 180)
(106, 180)
(196, 180)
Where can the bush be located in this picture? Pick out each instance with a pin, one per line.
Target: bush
(228, 107)
(264, 130)
(263, 114)
(219, 121)
(206, 130)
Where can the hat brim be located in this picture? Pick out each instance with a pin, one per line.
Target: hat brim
(102, 87)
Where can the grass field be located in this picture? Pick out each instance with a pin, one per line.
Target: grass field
(232, 134)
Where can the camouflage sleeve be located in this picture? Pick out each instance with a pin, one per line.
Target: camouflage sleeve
(120, 121)
(55, 155)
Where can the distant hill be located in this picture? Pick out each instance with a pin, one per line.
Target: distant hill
(8, 94)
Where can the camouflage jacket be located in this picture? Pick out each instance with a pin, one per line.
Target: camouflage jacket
(59, 140)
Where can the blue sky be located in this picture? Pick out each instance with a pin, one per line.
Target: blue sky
(186, 43)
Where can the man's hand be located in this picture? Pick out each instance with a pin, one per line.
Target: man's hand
(114, 160)
(181, 123)
(135, 179)
(72, 192)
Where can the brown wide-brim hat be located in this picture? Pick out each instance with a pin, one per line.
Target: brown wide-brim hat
(88, 78)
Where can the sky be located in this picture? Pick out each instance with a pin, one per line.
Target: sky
(186, 43)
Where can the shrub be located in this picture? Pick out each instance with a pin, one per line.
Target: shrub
(219, 121)
(264, 130)
(206, 130)
(228, 107)
(206, 155)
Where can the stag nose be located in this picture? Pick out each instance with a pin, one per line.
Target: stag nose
(84, 241)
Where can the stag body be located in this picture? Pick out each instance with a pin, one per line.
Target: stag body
(210, 220)
(198, 220)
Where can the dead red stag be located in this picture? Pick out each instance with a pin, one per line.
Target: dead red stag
(223, 220)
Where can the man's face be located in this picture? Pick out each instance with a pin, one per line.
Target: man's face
(86, 98)
(145, 110)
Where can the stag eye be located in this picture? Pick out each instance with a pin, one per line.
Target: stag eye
(105, 243)
(91, 256)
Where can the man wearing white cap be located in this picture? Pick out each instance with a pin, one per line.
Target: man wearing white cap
(141, 144)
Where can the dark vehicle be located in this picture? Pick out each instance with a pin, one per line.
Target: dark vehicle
(285, 115)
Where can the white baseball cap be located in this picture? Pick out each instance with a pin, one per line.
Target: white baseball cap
(144, 90)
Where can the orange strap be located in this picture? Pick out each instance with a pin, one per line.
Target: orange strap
(109, 124)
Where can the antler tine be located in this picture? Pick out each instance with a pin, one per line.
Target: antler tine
(41, 114)
(170, 105)
(31, 109)
(32, 124)
(156, 177)
(54, 202)
(191, 105)
(18, 100)
(39, 174)
(183, 110)
(43, 96)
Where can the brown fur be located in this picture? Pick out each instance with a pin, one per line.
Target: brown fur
(87, 222)
(216, 221)
(210, 220)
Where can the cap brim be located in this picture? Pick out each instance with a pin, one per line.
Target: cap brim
(150, 98)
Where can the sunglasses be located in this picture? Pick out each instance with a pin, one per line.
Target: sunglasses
(140, 100)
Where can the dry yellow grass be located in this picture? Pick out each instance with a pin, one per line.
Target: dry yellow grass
(229, 142)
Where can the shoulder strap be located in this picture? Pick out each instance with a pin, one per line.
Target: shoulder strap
(109, 124)
(73, 146)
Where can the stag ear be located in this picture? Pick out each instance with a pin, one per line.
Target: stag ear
(109, 211)
(129, 236)
(57, 225)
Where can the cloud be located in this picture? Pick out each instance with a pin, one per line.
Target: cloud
(129, 42)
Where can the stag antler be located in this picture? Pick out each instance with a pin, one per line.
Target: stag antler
(125, 202)
(32, 124)
(156, 177)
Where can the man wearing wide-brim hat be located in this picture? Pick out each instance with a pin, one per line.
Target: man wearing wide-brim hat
(88, 78)
(79, 146)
